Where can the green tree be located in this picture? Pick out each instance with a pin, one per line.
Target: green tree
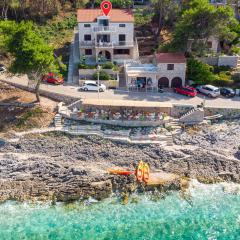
(32, 56)
(166, 13)
(199, 72)
(199, 21)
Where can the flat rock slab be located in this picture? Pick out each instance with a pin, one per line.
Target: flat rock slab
(161, 178)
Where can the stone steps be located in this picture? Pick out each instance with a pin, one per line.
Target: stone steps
(58, 121)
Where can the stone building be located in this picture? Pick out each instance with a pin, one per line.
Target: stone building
(167, 70)
(109, 38)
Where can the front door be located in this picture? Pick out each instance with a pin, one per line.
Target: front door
(141, 82)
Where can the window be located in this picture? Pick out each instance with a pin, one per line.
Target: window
(103, 22)
(87, 37)
(209, 44)
(122, 37)
(88, 51)
(122, 25)
(121, 51)
(170, 67)
(87, 25)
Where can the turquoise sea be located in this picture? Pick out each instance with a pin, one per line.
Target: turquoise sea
(205, 212)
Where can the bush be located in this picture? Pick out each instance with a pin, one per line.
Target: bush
(86, 66)
(199, 72)
(223, 81)
(102, 76)
(108, 65)
(236, 78)
(218, 69)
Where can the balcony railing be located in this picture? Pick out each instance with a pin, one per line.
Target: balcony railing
(87, 43)
(106, 44)
(123, 43)
(104, 29)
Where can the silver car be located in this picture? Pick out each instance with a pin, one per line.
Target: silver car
(209, 90)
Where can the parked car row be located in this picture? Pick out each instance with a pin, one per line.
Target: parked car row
(208, 90)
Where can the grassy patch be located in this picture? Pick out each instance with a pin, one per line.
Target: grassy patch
(24, 120)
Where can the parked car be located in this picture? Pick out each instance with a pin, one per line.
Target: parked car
(188, 91)
(93, 86)
(53, 78)
(209, 90)
(2, 69)
(227, 92)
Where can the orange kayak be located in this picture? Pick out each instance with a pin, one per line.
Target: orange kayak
(146, 172)
(121, 172)
(139, 171)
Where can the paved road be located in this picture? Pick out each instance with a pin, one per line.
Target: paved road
(120, 95)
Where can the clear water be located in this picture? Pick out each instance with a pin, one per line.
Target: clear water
(208, 213)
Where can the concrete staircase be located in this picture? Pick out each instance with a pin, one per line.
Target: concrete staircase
(74, 59)
(122, 78)
(175, 125)
(194, 116)
(169, 140)
(58, 121)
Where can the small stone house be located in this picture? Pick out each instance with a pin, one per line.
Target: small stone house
(167, 70)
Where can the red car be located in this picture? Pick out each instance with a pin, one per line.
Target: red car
(188, 91)
(53, 78)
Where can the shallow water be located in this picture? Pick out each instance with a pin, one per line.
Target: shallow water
(206, 213)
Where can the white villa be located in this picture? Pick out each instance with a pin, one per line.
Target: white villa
(108, 38)
(167, 70)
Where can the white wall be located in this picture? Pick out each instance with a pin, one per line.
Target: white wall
(128, 31)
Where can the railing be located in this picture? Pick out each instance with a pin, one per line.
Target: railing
(87, 43)
(124, 43)
(104, 29)
(106, 44)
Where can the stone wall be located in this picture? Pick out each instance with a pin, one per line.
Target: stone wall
(228, 113)
(230, 61)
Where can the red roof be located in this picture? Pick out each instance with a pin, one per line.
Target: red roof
(170, 58)
(116, 15)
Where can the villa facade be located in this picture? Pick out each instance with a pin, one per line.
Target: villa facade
(109, 37)
(167, 70)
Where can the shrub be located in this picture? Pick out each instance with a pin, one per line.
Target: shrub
(86, 66)
(218, 69)
(108, 65)
(199, 72)
(102, 76)
(236, 78)
(223, 80)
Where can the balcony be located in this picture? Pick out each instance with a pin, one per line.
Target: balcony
(123, 44)
(87, 44)
(106, 44)
(103, 29)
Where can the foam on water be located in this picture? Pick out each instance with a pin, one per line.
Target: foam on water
(204, 212)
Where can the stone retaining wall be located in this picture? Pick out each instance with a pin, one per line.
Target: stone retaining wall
(228, 113)
(230, 61)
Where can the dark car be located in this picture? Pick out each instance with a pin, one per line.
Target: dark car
(227, 92)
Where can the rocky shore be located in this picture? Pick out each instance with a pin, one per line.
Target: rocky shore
(59, 167)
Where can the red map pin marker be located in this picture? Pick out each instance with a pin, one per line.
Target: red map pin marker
(106, 7)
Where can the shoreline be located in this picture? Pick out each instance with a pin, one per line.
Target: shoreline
(60, 167)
